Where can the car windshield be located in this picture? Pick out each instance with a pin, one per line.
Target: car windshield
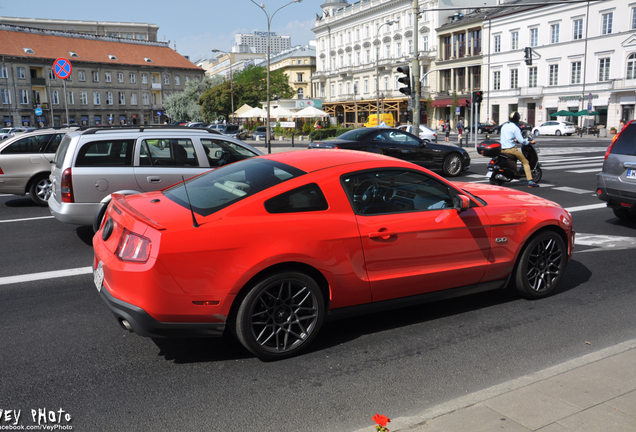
(260, 129)
(5, 130)
(215, 190)
(625, 143)
(231, 129)
(354, 134)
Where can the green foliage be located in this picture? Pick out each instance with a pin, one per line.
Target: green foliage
(319, 134)
(216, 102)
(184, 105)
(306, 128)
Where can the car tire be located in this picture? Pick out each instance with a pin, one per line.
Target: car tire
(479, 131)
(99, 216)
(537, 173)
(541, 265)
(536, 132)
(625, 214)
(40, 190)
(558, 133)
(280, 315)
(453, 165)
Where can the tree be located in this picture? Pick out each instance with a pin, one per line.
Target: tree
(184, 105)
(216, 102)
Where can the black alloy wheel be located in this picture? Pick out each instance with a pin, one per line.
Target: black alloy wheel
(452, 165)
(280, 316)
(541, 265)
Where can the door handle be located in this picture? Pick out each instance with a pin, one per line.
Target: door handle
(153, 179)
(384, 235)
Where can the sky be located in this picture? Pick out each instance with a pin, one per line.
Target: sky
(196, 26)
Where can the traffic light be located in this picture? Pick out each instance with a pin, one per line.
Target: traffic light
(528, 56)
(406, 80)
(478, 96)
(468, 104)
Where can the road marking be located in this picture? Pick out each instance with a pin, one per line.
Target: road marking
(561, 167)
(604, 242)
(45, 275)
(26, 219)
(574, 158)
(573, 190)
(586, 207)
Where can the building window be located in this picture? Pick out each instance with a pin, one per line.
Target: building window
(496, 80)
(24, 96)
(386, 83)
(514, 40)
(21, 73)
(399, 49)
(575, 77)
(95, 76)
(476, 73)
(83, 97)
(577, 25)
(144, 78)
(6, 96)
(554, 33)
(357, 58)
(366, 86)
(120, 78)
(300, 93)
(70, 98)
(340, 89)
(410, 47)
(607, 23)
(145, 98)
(108, 77)
(349, 60)
(122, 98)
(166, 79)
(388, 51)
(631, 66)
(81, 76)
(554, 75)
(55, 97)
(633, 18)
(514, 78)
(532, 77)
(497, 44)
(603, 69)
(299, 77)
(51, 75)
(534, 37)
(333, 90)
(177, 80)
(4, 73)
(424, 43)
(109, 98)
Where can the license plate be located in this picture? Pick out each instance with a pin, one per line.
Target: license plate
(489, 174)
(631, 174)
(98, 276)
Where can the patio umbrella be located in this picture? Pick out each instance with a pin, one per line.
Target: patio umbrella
(563, 114)
(310, 112)
(585, 113)
(279, 112)
(245, 108)
(253, 113)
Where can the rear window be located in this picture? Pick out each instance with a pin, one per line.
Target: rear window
(354, 134)
(215, 190)
(626, 142)
(107, 153)
(60, 154)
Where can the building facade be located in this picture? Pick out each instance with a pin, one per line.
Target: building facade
(256, 42)
(584, 56)
(112, 81)
(227, 64)
(299, 64)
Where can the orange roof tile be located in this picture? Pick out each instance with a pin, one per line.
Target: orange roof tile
(46, 46)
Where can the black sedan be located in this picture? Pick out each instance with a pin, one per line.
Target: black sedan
(451, 160)
(525, 127)
(483, 128)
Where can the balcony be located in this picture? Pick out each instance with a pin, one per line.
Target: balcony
(38, 82)
(156, 86)
(624, 84)
(536, 91)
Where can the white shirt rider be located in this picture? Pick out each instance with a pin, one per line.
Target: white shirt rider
(509, 133)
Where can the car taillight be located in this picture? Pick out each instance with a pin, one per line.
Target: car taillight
(66, 186)
(1, 172)
(133, 247)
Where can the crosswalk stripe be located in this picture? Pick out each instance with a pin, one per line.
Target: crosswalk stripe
(582, 171)
(573, 190)
(571, 166)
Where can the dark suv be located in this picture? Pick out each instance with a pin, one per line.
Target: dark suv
(616, 184)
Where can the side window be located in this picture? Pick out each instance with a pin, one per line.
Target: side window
(168, 152)
(395, 191)
(220, 151)
(107, 153)
(54, 143)
(399, 137)
(31, 144)
(303, 199)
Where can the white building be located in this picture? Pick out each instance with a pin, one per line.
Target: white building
(358, 49)
(578, 50)
(257, 42)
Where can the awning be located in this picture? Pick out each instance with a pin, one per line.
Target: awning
(448, 102)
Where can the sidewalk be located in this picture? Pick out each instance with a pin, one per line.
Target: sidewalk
(593, 393)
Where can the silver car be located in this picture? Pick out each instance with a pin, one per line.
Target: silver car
(425, 132)
(616, 184)
(9, 132)
(91, 165)
(25, 163)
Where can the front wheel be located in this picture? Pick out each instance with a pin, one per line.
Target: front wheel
(558, 133)
(479, 131)
(40, 191)
(535, 133)
(453, 165)
(537, 174)
(495, 181)
(541, 266)
(280, 316)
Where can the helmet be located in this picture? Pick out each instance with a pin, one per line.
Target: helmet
(514, 117)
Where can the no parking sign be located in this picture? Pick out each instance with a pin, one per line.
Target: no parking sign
(62, 68)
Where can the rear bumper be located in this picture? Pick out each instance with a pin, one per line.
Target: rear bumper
(615, 192)
(74, 213)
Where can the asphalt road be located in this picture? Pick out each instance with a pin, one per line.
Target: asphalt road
(60, 348)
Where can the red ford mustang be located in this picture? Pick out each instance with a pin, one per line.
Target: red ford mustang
(272, 246)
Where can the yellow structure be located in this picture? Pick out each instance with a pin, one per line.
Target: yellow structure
(299, 64)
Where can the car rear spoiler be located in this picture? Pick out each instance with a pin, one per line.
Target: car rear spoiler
(119, 200)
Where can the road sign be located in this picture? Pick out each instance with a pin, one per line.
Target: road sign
(38, 111)
(589, 96)
(457, 111)
(62, 68)
(589, 106)
(158, 113)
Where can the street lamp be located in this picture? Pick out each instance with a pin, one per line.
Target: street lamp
(231, 77)
(377, 68)
(269, 25)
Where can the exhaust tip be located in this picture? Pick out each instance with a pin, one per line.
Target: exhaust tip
(125, 324)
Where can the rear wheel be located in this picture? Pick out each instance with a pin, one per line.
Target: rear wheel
(494, 181)
(541, 265)
(40, 190)
(280, 315)
(537, 174)
(453, 165)
(479, 131)
(625, 214)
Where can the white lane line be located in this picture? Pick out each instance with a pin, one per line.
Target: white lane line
(594, 170)
(562, 167)
(26, 219)
(586, 207)
(604, 242)
(573, 159)
(573, 190)
(45, 275)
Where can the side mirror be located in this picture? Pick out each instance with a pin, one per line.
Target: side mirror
(423, 143)
(461, 203)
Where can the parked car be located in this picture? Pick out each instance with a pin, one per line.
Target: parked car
(482, 128)
(525, 127)
(234, 131)
(90, 165)
(616, 184)
(425, 132)
(282, 242)
(9, 132)
(554, 128)
(197, 124)
(25, 163)
(260, 133)
(451, 160)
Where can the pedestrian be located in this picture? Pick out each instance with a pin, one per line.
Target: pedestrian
(621, 125)
(441, 125)
(460, 129)
(447, 129)
(317, 125)
(492, 121)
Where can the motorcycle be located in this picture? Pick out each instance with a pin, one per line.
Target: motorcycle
(504, 167)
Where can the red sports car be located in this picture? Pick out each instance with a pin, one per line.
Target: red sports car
(271, 246)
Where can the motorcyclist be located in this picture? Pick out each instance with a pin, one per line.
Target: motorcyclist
(510, 135)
